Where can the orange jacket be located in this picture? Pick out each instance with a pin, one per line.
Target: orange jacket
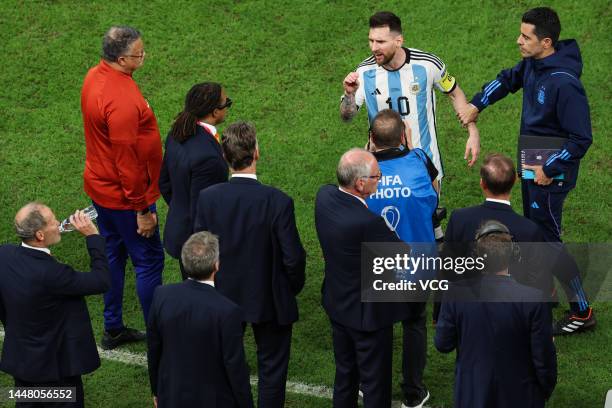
(123, 144)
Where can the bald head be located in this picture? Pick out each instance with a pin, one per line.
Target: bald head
(387, 129)
(353, 165)
(498, 174)
(29, 219)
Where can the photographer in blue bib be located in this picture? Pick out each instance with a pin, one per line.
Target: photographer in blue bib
(406, 200)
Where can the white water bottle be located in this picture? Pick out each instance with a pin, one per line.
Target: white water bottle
(66, 226)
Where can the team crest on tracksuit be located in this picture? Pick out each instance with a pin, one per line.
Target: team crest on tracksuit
(541, 96)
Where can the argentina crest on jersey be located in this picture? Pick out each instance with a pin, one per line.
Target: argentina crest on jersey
(415, 87)
(541, 95)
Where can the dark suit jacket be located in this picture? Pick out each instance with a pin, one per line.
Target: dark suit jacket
(262, 260)
(195, 352)
(187, 168)
(343, 223)
(505, 353)
(464, 223)
(48, 333)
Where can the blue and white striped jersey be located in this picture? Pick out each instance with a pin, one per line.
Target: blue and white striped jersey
(408, 91)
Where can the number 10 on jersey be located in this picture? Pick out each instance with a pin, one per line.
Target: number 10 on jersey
(402, 106)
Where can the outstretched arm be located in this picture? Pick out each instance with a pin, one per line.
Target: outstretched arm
(507, 81)
(472, 145)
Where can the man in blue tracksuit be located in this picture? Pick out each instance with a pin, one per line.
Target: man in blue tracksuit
(554, 104)
(406, 200)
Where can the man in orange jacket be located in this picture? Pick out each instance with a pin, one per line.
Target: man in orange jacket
(122, 165)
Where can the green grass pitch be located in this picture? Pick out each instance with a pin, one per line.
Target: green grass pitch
(283, 62)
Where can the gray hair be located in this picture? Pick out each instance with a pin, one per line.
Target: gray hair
(26, 227)
(200, 254)
(350, 170)
(117, 41)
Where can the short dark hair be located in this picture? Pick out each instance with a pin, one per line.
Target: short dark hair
(387, 129)
(498, 173)
(494, 244)
(200, 254)
(239, 144)
(546, 22)
(34, 221)
(117, 41)
(201, 100)
(386, 19)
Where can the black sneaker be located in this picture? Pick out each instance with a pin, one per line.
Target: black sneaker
(572, 323)
(127, 335)
(416, 403)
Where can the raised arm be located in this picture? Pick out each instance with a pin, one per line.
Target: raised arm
(348, 105)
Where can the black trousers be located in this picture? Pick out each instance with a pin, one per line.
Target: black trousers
(75, 381)
(362, 358)
(273, 349)
(414, 352)
(545, 208)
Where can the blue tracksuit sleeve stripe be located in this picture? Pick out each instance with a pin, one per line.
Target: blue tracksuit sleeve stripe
(508, 80)
(552, 158)
(490, 89)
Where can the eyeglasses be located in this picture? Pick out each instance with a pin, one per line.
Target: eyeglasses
(227, 104)
(137, 56)
(376, 176)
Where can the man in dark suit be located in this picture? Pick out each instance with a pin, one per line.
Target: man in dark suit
(497, 176)
(48, 339)
(505, 351)
(262, 258)
(195, 351)
(362, 332)
(193, 160)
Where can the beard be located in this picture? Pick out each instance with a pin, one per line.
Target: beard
(386, 59)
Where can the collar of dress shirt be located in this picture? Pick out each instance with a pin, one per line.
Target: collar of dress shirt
(357, 197)
(47, 250)
(495, 200)
(208, 282)
(210, 128)
(244, 175)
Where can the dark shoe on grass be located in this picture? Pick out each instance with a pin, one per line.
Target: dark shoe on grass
(573, 323)
(418, 402)
(127, 335)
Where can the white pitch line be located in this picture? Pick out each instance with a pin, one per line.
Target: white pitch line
(300, 388)
(140, 359)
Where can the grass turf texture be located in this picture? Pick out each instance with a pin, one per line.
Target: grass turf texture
(282, 63)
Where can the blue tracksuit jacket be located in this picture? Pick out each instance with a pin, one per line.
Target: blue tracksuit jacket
(554, 104)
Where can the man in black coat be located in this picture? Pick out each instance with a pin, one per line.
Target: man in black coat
(503, 336)
(362, 332)
(262, 258)
(193, 160)
(195, 351)
(540, 261)
(497, 177)
(48, 339)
